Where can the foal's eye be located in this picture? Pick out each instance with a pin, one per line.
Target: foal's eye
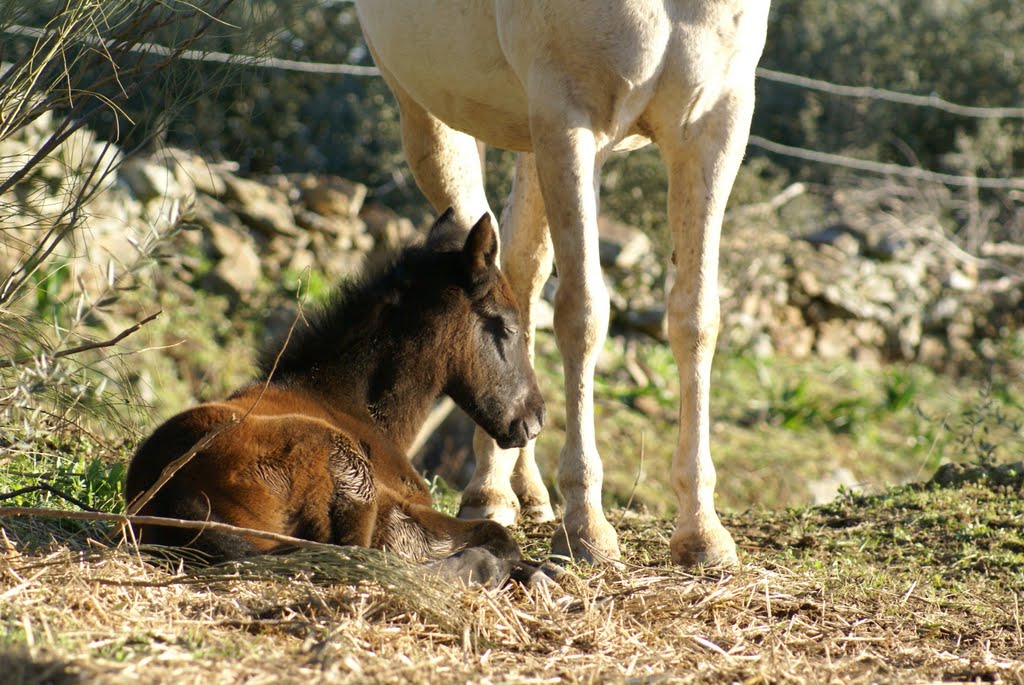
(501, 328)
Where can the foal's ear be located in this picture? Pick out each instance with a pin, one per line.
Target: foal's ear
(444, 231)
(481, 249)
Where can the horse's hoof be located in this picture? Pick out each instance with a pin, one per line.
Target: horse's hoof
(715, 548)
(479, 508)
(594, 542)
(537, 513)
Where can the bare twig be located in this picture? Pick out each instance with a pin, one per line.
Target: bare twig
(128, 519)
(437, 416)
(84, 347)
(50, 489)
(885, 169)
(1002, 250)
(633, 368)
(952, 249)
(788, 193)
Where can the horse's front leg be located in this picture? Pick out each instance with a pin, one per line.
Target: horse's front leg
(702, 161)
(507, 483)
(566, 152)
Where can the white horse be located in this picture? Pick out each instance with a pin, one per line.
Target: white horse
(566, 82)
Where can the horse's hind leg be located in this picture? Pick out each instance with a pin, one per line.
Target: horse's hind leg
(445, 163)
(526, 261)
(567, 163)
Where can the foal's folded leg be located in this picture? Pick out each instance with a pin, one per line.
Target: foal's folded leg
(480, 566)
(471, 550)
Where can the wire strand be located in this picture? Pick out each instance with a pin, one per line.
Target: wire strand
(933, 101)
(884, 168)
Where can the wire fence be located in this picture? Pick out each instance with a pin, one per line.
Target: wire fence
(884, 168)
(933, 101)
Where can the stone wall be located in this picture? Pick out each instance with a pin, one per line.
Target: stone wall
(839, 291)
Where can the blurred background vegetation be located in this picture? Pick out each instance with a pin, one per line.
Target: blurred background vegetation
(967, 51)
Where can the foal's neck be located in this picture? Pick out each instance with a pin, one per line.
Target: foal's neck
(389, 380)
(401, 389)
(371, 354)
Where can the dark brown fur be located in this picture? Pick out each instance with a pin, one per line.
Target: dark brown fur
(320, 452)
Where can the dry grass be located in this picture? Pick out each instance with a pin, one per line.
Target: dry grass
(72, 609)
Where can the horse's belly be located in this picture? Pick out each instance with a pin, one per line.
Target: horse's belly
(459, 73)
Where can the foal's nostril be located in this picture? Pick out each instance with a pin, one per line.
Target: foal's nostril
(516, 435)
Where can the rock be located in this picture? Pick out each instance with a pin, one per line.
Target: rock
(390, 231)
(261, 207)
(238, 265)
(932, 351)
(869, 333)
(908, 333)
(834, 340)
(650, 321)
(312, 221)
(332, 196)
(240, 270)
(960, 281)
(885, 248)
(867, 356)
(825, 489)
(151, 181)
(347, 233)
(192, 170)
(208, 213)
(791, 335)
(809, 283)
(621, 245)
(844, 238)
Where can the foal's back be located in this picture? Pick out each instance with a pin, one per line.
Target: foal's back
(282, 462)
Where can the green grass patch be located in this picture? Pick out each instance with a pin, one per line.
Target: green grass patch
(64, 472)
(783, 430)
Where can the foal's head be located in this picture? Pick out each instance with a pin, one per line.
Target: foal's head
(489, 372)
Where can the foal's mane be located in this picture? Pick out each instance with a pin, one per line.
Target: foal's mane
(350, 321)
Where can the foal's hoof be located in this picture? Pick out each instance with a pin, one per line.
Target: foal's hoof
(715, 548)
(475, 566)
(478, 566)
(532, 574)
(594, 542)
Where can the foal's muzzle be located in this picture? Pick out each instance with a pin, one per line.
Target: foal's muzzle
(524, 429)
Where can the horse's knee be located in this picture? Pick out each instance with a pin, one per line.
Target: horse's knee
(582, 313)
(692, 328)
(690, 336)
